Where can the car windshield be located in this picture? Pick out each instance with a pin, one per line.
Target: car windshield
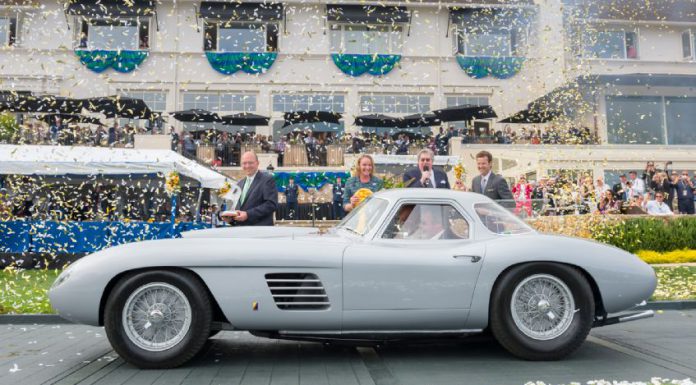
(499, 220)
(365, 216)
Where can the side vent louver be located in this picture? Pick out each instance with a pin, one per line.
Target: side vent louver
(297, 291)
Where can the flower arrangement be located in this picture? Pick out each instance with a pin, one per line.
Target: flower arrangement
(459, 175)
(172, 183)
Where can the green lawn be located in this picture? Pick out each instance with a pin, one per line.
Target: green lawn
(24, 291)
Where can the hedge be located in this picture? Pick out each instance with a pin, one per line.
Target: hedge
(661, 234)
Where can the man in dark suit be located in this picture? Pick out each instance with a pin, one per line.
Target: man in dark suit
(291, 194)
(487, 183)
(337, 192)
(259, 199)
(620, 189)
(424, 175)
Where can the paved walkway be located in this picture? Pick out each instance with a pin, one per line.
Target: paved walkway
(71, 354)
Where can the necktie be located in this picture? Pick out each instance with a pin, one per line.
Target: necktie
(483, 184)
(247, 183)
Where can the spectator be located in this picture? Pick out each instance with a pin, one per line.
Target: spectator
(214, 213)
(685, 194)
(600, 188)
(620, 189)
(424, 175)
(189, 146)
(658, 205)
(609, 204)
(364, 179)
(337, 206)
(587, 190)
(522, 192)
(636, 206)
(175, 139)
(441, 141)
(638, 184)
(487, 183)
(291, 195)
(111, 138)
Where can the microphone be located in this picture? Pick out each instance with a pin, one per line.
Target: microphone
(426, 168)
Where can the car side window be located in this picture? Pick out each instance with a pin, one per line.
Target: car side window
(427, 222)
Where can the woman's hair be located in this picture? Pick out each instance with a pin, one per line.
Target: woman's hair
(357, 164)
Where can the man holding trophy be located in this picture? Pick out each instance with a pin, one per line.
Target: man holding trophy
(259, 198)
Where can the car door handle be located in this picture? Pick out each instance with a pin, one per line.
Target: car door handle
(474, 258)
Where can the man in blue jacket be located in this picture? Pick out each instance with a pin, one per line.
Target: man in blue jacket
(685, 194)
(259, 199)
(424, 175)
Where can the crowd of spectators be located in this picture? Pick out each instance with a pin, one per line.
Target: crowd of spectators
(77, 134)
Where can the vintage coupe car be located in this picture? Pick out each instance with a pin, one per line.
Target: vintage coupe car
(405, 264)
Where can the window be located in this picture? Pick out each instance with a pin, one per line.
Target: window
(364, 217)
(155, 100)
(453, 101)
(499, 220)
(681, 120)
(490, 43)
(366, 39)
(611, 45)
(114, 34)
(635, 120)
(300, 102)
(240, 37)
(427, 222)
(219, 102)
(399, 104)
(688, 44)
(8, 31)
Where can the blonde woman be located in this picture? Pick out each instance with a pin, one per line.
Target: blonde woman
(364, 178)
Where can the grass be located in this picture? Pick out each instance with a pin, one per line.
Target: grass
(24, 291)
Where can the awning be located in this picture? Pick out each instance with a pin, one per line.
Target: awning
(420, 120)
(311, 117)
(62, 160)
(110, 8)
(367, 14)
(386, 121)
(245, 119)
(465, 112)
(239, 11)
(377, 120)
(119, 107)
(196, 115)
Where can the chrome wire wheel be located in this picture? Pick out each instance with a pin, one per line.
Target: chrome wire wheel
(157, 316)
(542, 307)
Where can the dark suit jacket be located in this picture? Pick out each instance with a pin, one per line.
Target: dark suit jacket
(619, 192)
(261, 201)
(414, 175)
(291, 193)
(682, 187)
(496, 187)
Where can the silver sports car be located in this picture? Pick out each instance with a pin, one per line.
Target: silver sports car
(404, 264)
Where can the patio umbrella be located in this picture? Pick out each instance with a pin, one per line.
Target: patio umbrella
(43, 103)
(245, 119)
(465, 112)
(411, 133)
(119, 106)
(419, 120)
(377, 120)
(311, 117)
(196, 115)
(69, 118)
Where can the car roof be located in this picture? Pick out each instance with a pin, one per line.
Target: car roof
(465, 198)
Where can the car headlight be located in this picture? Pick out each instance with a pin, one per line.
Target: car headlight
(61, 278)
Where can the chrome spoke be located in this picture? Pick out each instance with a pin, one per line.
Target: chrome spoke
(157, 316)
(542, 307)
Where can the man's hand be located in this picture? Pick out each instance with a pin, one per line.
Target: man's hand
(241, 216)
(424, 177)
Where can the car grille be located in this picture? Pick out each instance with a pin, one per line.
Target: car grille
(297, 291)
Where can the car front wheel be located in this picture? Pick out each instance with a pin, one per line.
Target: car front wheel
(158, 319)
(542, 311)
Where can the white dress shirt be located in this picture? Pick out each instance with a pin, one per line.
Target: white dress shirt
(658, 208)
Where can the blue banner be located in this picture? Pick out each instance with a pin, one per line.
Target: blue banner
(83, 237)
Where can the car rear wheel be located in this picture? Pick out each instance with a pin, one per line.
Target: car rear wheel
(542, 311)
(158, 319)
